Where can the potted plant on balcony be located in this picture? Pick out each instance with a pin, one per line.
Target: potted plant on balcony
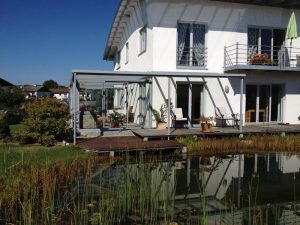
(260, 59)
(116, 119)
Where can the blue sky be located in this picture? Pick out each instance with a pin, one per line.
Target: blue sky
(46, 39)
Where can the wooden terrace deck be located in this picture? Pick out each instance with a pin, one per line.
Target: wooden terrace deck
(148, 134)
(129, 143)
(158, 138)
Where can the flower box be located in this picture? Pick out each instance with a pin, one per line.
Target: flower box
(260, 59)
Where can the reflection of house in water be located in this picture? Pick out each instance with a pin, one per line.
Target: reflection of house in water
(274, 179)
(215, 176)
(274, 183)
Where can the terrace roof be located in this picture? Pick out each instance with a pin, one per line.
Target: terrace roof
(92, 79)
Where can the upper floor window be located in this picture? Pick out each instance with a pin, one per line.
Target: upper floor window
(191, 50)
(143, 40)
(265, 41)
(127, 53)
(117, 59)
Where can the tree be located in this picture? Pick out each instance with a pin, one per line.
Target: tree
(11, 98)
(10, 101)
(47, 120)
(50, 84)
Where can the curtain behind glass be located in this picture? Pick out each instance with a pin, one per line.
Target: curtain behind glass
(199, 44)
(253, 35)
(183, 39)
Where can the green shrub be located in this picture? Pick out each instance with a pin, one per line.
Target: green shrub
(4, 129)
(46, 140)
(25, 137)
(47, 119)
(11, 98)
(13, 115)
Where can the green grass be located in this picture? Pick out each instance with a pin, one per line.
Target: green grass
(36, 155)
(17, 128)
(249, 144)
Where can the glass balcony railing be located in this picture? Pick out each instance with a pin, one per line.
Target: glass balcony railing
(192, 57)
(241, 56)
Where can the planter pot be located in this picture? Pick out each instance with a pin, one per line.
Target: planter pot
(114, 125)
(161, 126)
(206, 127)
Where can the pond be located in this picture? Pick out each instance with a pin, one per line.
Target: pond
(175, 189)
(232, 189)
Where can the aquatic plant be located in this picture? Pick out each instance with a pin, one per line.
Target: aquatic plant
(235, 145)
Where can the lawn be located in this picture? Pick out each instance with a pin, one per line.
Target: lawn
(17, 128)
(12, 155)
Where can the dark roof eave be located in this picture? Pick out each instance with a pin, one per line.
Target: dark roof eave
(107, 47)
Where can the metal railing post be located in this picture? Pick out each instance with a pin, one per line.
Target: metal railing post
(225, 56)
(237, 53)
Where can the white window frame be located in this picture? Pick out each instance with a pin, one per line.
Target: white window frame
(126, 52)
(192, 23)
(260, 28)
(143, 40)
(118, 59)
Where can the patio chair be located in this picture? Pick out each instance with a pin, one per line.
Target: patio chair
(177, 117)
(223, 119)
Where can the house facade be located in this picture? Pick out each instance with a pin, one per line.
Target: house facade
(60, 93)
(213, 36)
(35, 91)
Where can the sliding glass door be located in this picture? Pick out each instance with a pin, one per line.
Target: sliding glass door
(264, 103)
(189, 97)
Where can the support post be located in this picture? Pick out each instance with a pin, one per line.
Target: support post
(190, 105)
(241, 108)
(103, 100)
(169, 106)
(127, 116)
(150, 91)
(74, 108)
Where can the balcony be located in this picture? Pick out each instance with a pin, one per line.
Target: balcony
(291, 4)
(192, 58)
(260, 57)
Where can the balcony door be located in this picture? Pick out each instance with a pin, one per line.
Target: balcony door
(264, 103)
(265, 41)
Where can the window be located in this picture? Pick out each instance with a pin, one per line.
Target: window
(191, 50)
(117, 60)
(127, 52)
(265, 41)
(143, 40)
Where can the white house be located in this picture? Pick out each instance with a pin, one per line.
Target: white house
(208, 36)
(60, 93)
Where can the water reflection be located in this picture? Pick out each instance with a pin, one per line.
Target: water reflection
(238, 189)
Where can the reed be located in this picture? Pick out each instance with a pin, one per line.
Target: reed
(96, 190)
(249, 144)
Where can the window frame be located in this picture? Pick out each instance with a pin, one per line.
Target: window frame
(192, 23)
(127, 53)
(143, 40)
(259, 44)
(118, 59)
